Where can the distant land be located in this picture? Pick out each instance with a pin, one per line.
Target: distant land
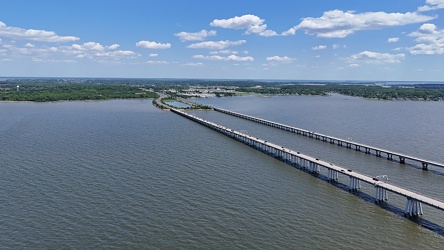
(74, 89)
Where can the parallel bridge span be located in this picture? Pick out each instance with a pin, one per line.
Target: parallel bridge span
(313, 165)
(334, 140)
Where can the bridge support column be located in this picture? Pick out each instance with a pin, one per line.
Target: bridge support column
(333, 175)
(381, 194)
(355, 184)
(413, 208)
(275, 153)
(378, 153)
(401, 160)
(292, 159)
(303, 163)
(296, 161)
(279, 154)
(287, 157)
(425, 166)
(389, 156)
(313, 167)
(367, 150)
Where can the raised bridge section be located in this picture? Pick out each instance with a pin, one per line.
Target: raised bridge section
(313, 165)
(378, 152)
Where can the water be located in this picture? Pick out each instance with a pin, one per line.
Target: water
(123, 174)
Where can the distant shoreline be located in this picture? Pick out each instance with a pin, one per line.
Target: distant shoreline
(53, 90)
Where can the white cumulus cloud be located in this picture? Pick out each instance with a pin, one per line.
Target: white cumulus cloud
(281, 59)
(393, 40)
(89, 50)
(226, 51)
(117, 54)
(432, 5)
(213, 45)
(239, 58)
(370, 57)
(339, 24)
(197, 36)
(153, 45)
(251, 23)
(430, 40)
(33, 35)
(88, 46)
(276, 60)
(320, 47)
(213, 57)
(114, 46)
(225, 58)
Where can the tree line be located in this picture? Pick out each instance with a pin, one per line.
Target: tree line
(72, 92)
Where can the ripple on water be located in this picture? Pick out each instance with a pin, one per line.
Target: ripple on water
(121, 174)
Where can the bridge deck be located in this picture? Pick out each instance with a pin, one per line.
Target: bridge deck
(290, 154)
(336, 140)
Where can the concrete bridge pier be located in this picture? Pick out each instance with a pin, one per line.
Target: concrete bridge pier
(279, 154)
(355, 184)
(288, 158)
(378, 153)
(295, 161)
(333, 175)
(381, 194)
(313, 167)
(401, 160)
(292, 160)
(389, 156)
(413, 208)
(303, 163)
(425, 166)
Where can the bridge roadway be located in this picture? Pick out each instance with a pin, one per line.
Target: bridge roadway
(312, 165)
(334, 140)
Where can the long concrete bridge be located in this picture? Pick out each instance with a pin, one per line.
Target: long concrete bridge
(314, 165)
(334, 140)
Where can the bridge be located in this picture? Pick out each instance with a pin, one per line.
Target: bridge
(334, 140)
(313, 165)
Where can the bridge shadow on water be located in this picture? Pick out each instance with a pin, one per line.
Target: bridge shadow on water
(433, 171)
(436, 228)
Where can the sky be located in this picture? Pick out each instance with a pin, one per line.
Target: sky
(386, 40)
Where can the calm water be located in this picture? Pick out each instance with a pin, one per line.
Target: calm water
(123, 174)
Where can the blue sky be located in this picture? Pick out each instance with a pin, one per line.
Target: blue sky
(397, 40)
